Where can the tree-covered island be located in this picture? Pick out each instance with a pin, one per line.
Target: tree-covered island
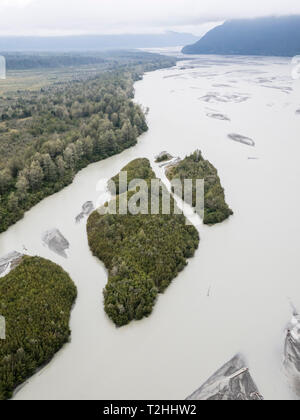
(143, 253)
(36, 299)
(195, 167)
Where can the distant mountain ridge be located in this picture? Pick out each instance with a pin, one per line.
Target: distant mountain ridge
(270, 36)
(94, 42)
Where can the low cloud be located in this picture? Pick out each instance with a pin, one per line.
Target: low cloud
(55, 17)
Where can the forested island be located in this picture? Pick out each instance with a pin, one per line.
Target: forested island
(36, 299)
(194, 167)
(47, 136)
(143, 253)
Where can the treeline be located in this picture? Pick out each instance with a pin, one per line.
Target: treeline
(36, 299)
(194, 167)
(46, 137)
(143, 253)
(102, 60)
(50, 61)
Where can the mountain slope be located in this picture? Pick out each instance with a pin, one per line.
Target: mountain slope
(95, 42)
(272, 36)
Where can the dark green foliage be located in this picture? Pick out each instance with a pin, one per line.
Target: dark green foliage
(137, 169)
(46, 137)
(36, 299)
(105, 60)
(196, 167)
(163, 158)
(143, 253)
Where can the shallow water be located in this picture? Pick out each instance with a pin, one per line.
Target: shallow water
(234, 295)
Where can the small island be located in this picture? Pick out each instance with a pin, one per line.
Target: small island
(36, 299)
(194, 167)
(163, 157)
(56, 242)
(143, 253)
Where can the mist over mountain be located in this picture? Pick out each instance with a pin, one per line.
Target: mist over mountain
(271, 36)
(95, 42)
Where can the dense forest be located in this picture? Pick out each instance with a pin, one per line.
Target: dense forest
(109, 60)
(47, 136)
(50, 61)
(36, 299)
(196, 167)
(143, 253)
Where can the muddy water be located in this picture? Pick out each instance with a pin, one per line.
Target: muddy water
(234, 295)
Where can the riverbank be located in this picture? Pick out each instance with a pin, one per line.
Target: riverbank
(207, 314)
(51, 134)
(213, 204)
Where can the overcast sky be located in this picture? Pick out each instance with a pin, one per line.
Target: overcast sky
(56, 17)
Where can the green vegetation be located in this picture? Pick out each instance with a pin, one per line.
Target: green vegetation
(24, 61)
(163, 158)
(31, 72)
(143, 253)
(109, 60)
(47, 136)
(36, 299)
(196, 167)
